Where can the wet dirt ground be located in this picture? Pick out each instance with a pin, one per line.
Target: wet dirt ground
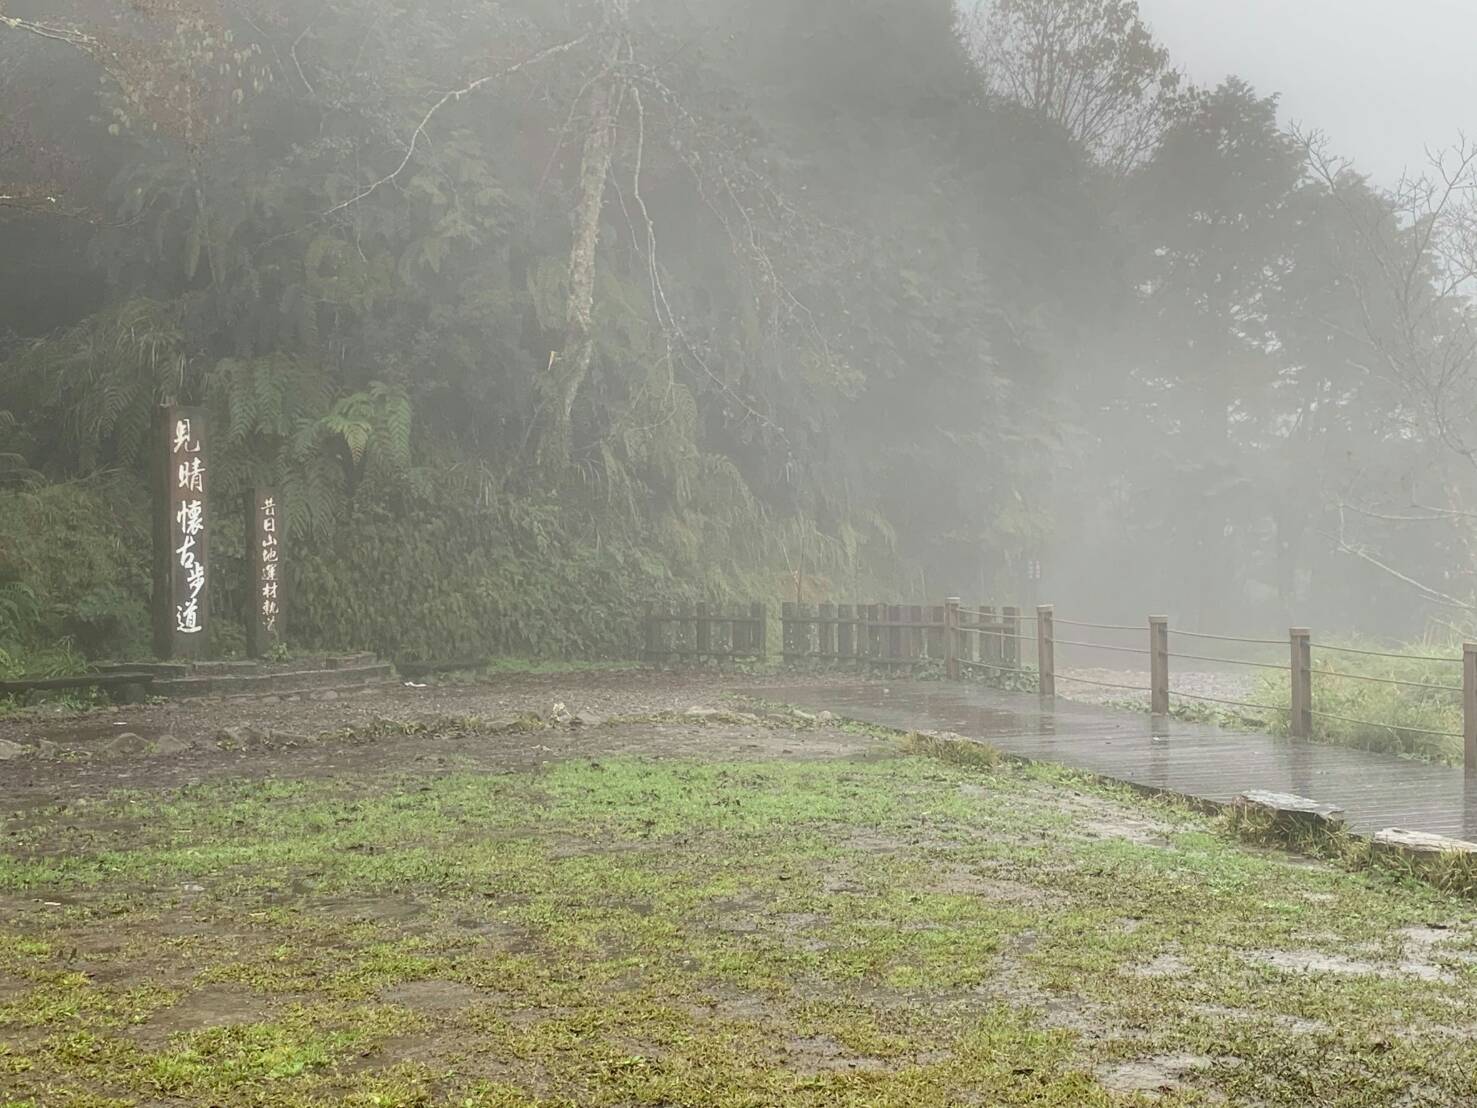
(55, 753)
(640, 887)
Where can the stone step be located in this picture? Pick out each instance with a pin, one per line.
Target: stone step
(286, 681)
(349, 661)
(244, 667)
(158, 669)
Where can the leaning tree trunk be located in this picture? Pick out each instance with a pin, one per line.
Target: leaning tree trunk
(571, 367)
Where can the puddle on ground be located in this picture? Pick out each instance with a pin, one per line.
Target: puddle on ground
(1295, 1024)
(730, 1002)
(1166, 965)
(207, 1007)
(438, 998)
(816, 1054)
(1163, 1073)
(959, 881)
(1314, 961)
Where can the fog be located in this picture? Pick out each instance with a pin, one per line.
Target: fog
(1385, 81)
(835, 302)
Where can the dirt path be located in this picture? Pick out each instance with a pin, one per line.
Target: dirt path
(510, 724)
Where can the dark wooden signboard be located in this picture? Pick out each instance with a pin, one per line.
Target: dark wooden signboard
(264, 533)
(181, 537)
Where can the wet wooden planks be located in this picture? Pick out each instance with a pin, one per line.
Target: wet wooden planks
(1375, 790)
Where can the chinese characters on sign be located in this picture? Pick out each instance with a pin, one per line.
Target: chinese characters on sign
(182, 569)
(265, 528)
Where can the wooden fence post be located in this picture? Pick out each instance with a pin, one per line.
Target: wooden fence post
(1469, 708)
(1159, 665)
(1010, 642)
(1301, 723)
(787, 631)
(826, 632)
(1046, 650)
(758, 643)
(704, 632)
(651, 632)
(951, 638)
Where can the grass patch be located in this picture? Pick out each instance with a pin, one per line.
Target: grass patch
(931, 930)
(1399, 716)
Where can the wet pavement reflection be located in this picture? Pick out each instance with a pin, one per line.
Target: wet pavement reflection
(1196, 760)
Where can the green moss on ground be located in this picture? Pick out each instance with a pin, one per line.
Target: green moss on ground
(896, 930)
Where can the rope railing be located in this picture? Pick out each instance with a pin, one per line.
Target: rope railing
(1101, 684)
(1102, 646)
(1229, 661)
(1101, 626)
(1397, 727)
(1385, 680)
(990, 665)
(987, 640)
(1232, 703)
(1227, 638)
(1300, 670)
(1385, 654)
(996, 634)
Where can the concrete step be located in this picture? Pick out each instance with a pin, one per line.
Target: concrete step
(285, 681)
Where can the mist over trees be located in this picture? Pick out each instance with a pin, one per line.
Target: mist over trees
(537, 310)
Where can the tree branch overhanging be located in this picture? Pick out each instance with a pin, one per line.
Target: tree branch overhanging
(449, 98)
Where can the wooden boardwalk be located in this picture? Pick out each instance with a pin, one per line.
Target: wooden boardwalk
(1375, 790)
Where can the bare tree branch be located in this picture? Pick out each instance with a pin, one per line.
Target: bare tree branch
(57, 32)
(1426, 591)
(448, 98)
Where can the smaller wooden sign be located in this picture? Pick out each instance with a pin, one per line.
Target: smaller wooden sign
(265, 528)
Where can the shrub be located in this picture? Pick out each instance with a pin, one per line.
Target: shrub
(1398, 717)
(74, 570)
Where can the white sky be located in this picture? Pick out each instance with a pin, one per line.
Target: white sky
(1383, 79)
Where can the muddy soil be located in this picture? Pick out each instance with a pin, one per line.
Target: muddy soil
(508, 724)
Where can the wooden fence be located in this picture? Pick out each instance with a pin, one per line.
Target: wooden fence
(901, 636)
(896, 636)
(697, 632)
(961, 640)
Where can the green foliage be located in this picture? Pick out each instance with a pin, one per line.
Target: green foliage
(1398, 717)
(90, 391)
(1091, 66)
(74, 564)
(857, 317)
(20, 613)
(437, 576)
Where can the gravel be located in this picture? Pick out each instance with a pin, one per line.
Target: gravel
(1222, 686)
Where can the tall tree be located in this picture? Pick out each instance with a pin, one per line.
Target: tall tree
(1092, 66)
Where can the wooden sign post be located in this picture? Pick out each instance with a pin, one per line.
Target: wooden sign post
(181, 537)
(264, 532)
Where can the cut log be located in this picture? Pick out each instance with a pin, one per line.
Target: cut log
(1290, 808)
(1421, 844)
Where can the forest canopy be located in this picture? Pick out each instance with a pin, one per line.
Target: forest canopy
(537, 310)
